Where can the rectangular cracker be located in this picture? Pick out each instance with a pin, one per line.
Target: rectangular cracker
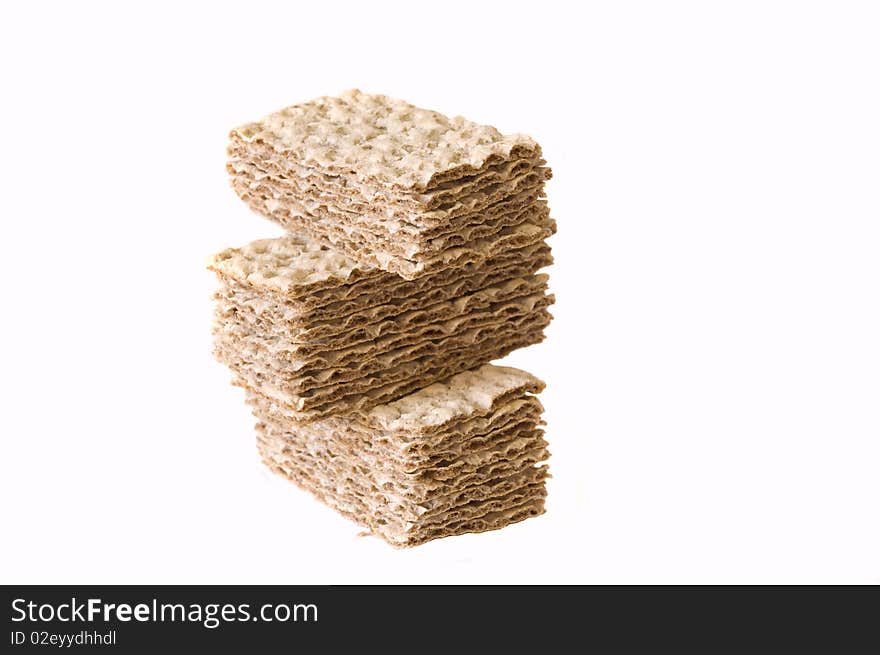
(371, 251)
(495, 472)
(383, 141)
(419, 365)
(300, 268)
(409, 328)
(389, 184)
(309, 285)
(241, 308)
(368, 392)
(510, 205)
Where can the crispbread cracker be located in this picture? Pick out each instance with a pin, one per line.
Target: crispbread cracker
(479, 202)
(389, 184)
(395, 518)
(286, 265)
(367, 393)
(383, 141)
(242, 309)
(298, 268)
(394, 499)
(365, 466)
(268, 268)
(410, 453)
(343, 459)
(395, 456)
(253, 163)
(354, 245)
(513, 205)
(468, 393)
(349, 500)
(320, 363)
(278, 342)
(343, 390)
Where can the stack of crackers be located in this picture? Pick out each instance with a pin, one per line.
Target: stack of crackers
(362, 338)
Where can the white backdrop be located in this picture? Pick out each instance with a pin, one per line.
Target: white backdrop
(713, 369)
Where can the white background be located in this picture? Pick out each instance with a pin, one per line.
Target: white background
(713, 369)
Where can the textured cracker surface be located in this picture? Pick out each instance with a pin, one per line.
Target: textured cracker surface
(463, 394)
(512, 414)
(382, 139)
(284, 264)
(317, 276)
